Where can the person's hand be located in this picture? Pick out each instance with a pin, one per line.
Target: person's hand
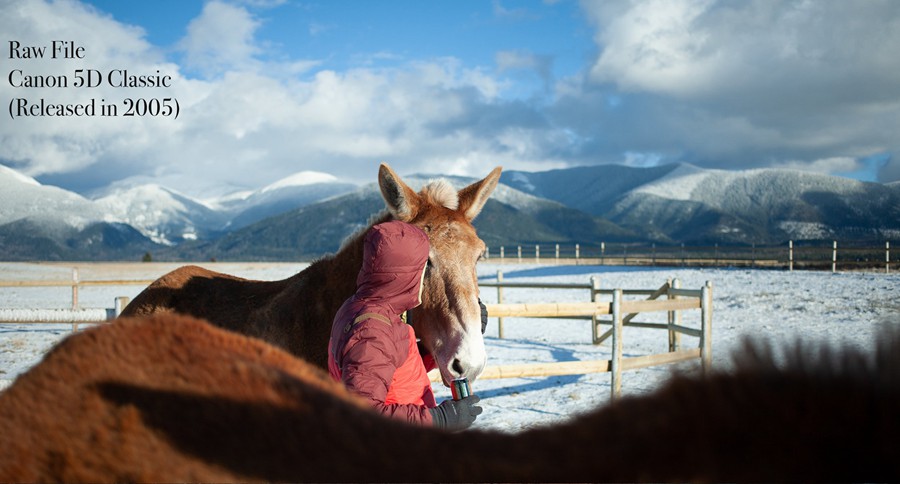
(456, 414)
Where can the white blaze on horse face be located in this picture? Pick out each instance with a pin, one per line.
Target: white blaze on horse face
(422, 282)
(459, 350)
(457, 342)
(470, 352)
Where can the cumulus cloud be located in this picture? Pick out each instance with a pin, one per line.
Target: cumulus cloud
(221, 38)
(42, 145)
(792, 81)
(734, 84)
(702, 48)
(249, 122)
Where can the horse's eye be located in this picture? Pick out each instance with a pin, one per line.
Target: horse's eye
(429, 264)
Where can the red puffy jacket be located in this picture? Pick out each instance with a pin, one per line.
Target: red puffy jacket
(371, 350)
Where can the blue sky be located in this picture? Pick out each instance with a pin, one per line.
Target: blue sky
(268, 88)
(348, 34)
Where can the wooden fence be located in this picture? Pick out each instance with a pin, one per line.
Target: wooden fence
(623, 313)
(812, 256)
(73, 316)
(76, 283)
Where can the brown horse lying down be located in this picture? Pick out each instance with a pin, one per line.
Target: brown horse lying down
(142, 401)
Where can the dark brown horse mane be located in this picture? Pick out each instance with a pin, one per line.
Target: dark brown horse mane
(138, 400)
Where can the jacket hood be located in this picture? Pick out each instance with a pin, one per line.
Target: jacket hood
(394, 256)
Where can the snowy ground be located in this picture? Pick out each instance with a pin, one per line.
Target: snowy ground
(778, 305)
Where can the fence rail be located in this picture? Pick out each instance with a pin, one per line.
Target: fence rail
(790, 256)
(75, 316)
(623, 313)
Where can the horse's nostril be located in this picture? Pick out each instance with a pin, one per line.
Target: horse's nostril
(457, 366)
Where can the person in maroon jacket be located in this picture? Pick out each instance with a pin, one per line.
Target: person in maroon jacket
(372, 351)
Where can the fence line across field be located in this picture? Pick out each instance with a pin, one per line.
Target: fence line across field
(713, 256)
(789, 257)
(622, 313)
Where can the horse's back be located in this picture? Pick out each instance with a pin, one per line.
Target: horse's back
(123, 402)
(202, 293)
(161, 295)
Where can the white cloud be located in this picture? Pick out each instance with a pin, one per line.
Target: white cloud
(221, 38)
(244, 126)
(41, 145)
(702, 48)
(256, 120)
(653, 46)
(747, 82)
(512, 61)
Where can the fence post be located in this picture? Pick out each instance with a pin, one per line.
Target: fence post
(501, 253)
(716, 263)
(602, 252)
(537, 253)
(577, 252)
(753, 255)
(519, 252)
(500, 301)
(887, 257)
(74, 288)
(616, 362)
(653, 258)
(487, 252)
(595, 295)
(120, 304)
(674, 319)
(834, 257)
(682, 254)
(74, 296)
(791, 255)
(557, 252)
(706, 330)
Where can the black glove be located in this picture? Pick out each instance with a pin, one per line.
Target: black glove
(483, 315)
(456, 414)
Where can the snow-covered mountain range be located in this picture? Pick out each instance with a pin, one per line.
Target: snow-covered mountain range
(665, 204)
(161, 214)
(684, 203)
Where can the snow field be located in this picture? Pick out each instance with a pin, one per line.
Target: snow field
(779, 306)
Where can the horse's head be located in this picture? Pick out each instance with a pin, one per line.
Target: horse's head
(449, 319)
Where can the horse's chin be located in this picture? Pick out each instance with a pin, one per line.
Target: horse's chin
(444, 368)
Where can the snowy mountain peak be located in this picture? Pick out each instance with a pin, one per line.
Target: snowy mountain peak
(23, 197)
(10, 175)
(162, 214)
(679, 184)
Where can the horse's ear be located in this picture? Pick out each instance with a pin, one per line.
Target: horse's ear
(473, 197)
(401, 200)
